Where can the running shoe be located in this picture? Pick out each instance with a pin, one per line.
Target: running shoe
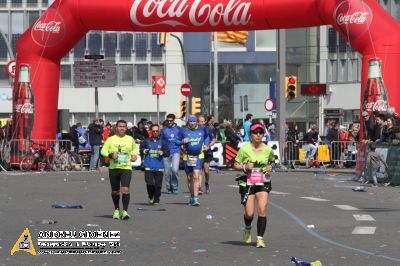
(125, 215)
(151, 201)
(208, 190)
(201, 191)
(175, 192)
(260, 243)
(247, 235)
(195, 201)
(116, 214)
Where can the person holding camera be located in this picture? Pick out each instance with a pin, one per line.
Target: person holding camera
(95, 141)
(254, 159)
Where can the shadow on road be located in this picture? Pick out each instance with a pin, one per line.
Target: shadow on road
(235, 243)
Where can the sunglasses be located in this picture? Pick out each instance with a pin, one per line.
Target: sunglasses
(257, 132)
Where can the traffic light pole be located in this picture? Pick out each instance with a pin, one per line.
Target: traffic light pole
(280, 82)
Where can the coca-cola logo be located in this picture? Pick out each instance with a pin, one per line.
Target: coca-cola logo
(353, 18)
(49, 29)
(147, 13)
(26, 108)
(380, 106)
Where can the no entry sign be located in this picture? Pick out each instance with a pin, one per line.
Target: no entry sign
(269, 104)
(11, 68)
(186, 89)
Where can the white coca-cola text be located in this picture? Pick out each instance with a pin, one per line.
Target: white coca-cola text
(355, 18)
(26, 108)
(380, 106)
(198, 12)
(51, 26)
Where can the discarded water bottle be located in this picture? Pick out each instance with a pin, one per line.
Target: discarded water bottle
(46, 221)
(360, 189)
(298, 262)
(209, 217)
(62, 206)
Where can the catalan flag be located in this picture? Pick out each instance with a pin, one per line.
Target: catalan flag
(232, 36)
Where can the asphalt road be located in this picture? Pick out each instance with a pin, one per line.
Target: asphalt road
(308, 217)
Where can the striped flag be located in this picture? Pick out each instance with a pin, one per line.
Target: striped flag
(232, 36)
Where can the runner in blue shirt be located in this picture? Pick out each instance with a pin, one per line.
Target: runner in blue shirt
(153, 150)
(193, 139)
(208, 155)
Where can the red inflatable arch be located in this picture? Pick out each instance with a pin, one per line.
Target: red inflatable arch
(367, 27)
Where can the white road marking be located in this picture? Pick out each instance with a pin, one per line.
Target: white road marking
(233, 186)
(278, 193)
(346, 207)
(314, 199)
(364, 230)
(363, 217)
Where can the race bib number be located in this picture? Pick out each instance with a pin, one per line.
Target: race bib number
(255, 177)
(192, 160)
(123, 158)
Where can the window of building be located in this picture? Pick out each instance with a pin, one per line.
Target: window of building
(4, 77)
(31, 3)
(142, 74)
(265, 40)
(141, 46)
(94, 43)
(45, 3)
(332, 40)
(32, 17)
(4, 30)
(156, 49)
(342, 71)
(16, 3)
(3, 3)
(157, 70)
(332, 71)
(126, 75)
(125, 46)
(65, 75)
(79, 49)
(342, 44)
(17, 28)
(110, 44)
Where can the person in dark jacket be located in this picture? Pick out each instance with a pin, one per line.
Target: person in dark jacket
(293, 144)
(368, 126)
(140, 133)
(153, 150)
(309, 146)
(333, 138)
(73, 135)
(95, 141)
(379, 128)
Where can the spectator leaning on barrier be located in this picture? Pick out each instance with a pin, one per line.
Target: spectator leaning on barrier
(231, 135)
(368, 126)
(333, 138)
(310, 147)
(379, 128)
(390, 130)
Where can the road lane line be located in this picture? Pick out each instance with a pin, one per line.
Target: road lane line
(346, 207)
(364, 230)
(314, 199)
(363, 217)
(330, 241)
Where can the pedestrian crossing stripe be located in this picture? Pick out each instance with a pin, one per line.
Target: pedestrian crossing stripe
(24, 243)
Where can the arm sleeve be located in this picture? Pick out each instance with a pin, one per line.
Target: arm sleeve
(105, 150)
(240, 156)
(135, 149)
(142, 147)
(179, 138)
(271, 156)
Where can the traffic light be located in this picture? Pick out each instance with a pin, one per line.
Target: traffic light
(183, 109)
(196, 105)
(290, 87)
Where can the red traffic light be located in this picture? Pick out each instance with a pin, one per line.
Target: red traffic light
(292, 79)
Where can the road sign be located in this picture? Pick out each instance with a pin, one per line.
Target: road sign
(95, 74)
(269, 104)
(158, 85)
(11, 68)
(186, 89)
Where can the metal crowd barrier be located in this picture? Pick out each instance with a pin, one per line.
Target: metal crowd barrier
(12, 152)
(341, 153)
(344, 153)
